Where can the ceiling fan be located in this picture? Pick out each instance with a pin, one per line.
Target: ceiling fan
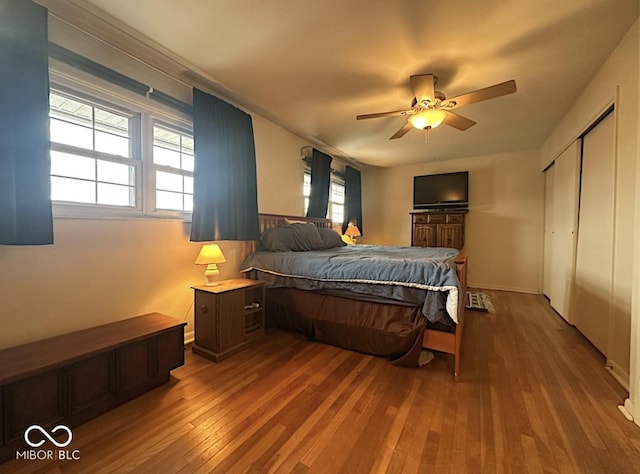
(430, 107)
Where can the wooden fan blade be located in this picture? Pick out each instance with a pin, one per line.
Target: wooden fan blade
(497, 90)
(383, 114)
(458, 121)
(402, 132)
(423, 87)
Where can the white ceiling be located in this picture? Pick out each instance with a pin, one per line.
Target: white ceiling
(314, 65)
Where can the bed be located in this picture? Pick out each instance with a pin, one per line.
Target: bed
(386, 301)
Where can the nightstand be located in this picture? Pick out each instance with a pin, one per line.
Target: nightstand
(228, 317)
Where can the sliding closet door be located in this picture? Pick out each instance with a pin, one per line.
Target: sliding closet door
(564, 227)
(594, 261)
(548, 229)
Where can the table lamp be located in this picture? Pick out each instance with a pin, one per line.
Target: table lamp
(353, 232)
(210, 255)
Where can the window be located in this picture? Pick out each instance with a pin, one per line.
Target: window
(91, 153)
(173, 163)
(335, 210)
(306, 190)
(114, 155)
(336, 202)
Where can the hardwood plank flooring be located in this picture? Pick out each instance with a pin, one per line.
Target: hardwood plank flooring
(533, 396)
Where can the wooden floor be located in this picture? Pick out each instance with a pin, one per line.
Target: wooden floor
(533, 396)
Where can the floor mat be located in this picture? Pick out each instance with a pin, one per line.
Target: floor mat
(425, 357)
(479, 301)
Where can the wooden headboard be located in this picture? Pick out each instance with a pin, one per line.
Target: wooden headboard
(269, 221)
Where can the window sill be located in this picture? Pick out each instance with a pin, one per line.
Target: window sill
(73, 211)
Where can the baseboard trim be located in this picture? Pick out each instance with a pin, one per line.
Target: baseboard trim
(625, 412)
(630, 410)
(618, 373)
(189, 337)
(482, 286)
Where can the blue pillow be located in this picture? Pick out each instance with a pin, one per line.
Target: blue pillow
(292, 238)
(330, 238)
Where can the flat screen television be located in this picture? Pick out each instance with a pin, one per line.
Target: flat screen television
(446, 190)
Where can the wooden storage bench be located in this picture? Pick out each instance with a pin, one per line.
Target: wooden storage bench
(71, 378)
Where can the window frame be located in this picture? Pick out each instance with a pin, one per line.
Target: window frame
(101, 93)
(153, 167)
(134, 160)
(335, 179)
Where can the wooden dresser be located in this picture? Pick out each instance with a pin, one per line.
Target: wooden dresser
(438, 228)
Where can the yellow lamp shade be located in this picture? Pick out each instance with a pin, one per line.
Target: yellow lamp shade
(209, 255)
(352, 231)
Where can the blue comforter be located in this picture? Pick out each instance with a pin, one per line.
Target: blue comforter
(385, 271)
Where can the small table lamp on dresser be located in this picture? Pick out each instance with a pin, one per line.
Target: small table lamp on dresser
(210, 255)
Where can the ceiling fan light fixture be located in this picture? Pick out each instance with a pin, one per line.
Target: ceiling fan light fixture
(426, 119)
(430, 107)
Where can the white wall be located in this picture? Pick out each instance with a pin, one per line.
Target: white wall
(616, 82)
(280, 169)
(96, 272)
(504, 226)
(103, 270)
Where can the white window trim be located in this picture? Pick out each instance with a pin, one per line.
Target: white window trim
(150, 112)
(149, 167)
(340, 181)
(334, 179)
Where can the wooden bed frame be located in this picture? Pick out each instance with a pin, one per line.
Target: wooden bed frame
(448, 342)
